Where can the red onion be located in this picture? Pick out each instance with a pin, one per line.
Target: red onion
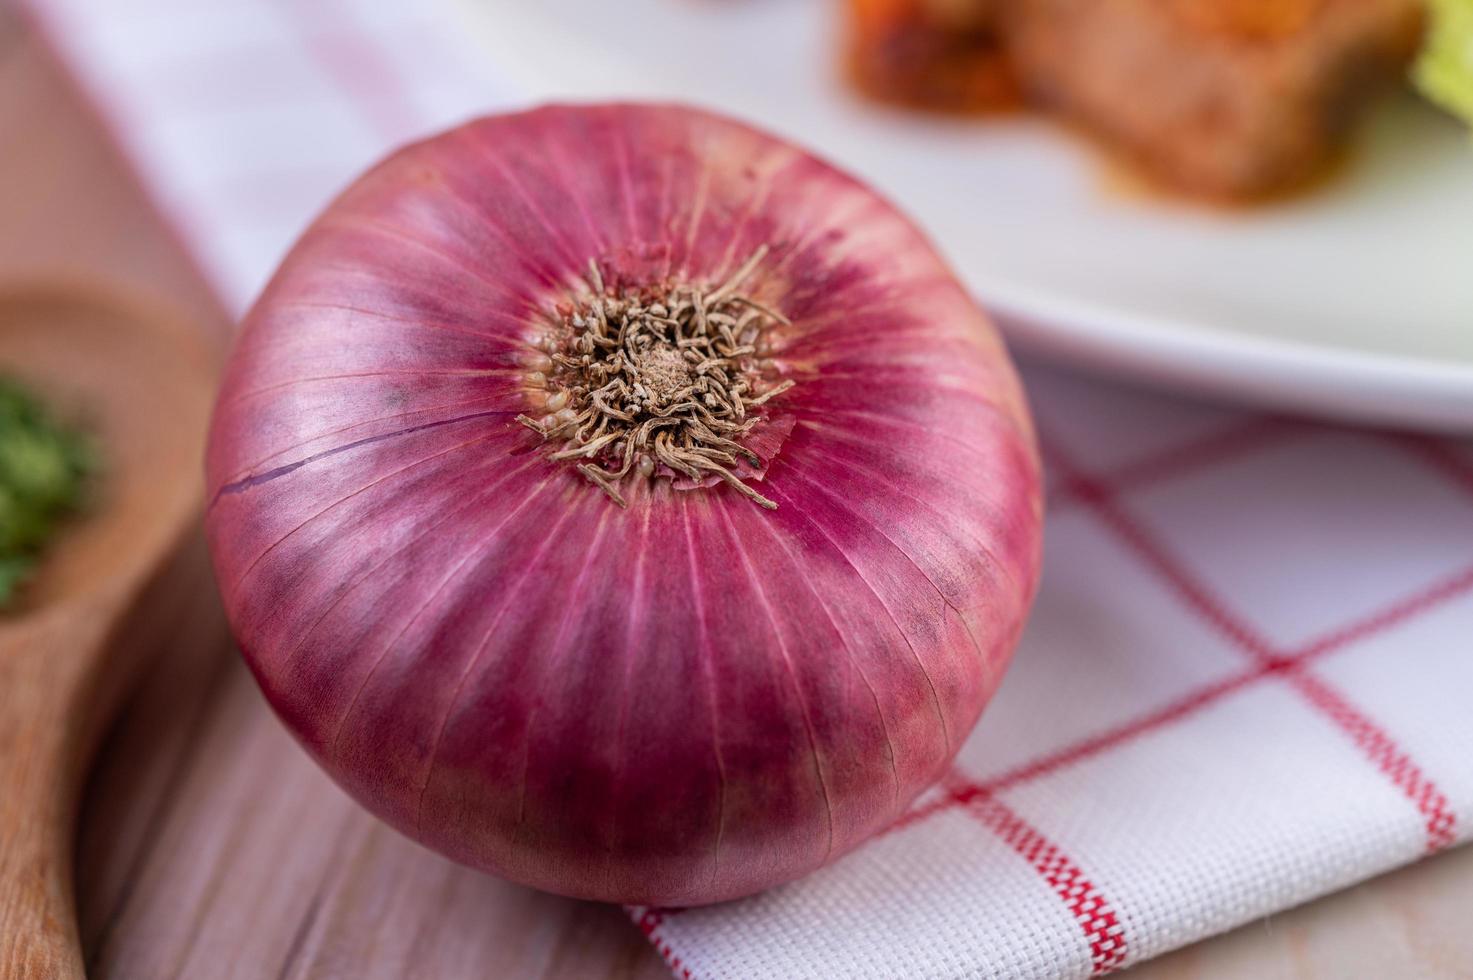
(530, 541)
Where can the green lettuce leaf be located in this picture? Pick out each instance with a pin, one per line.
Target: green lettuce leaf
(1445, 71)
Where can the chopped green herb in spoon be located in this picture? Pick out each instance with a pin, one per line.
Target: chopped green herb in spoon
(43, 472)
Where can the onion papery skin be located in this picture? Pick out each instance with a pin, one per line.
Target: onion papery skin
(685, 701)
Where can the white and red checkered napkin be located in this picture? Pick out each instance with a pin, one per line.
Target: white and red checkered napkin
(1246, 681)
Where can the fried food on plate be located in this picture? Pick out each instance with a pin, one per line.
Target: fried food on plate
(932, 54)
(1224, 98)
(1232, 99)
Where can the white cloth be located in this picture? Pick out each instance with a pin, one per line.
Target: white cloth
(1246, 681)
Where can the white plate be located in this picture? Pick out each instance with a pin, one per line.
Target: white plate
(1354, 301)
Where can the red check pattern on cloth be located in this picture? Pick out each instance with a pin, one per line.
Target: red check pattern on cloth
(1246, 683)
(1377, 745)
(1101, 926)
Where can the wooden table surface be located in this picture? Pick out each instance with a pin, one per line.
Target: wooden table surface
(211, 847)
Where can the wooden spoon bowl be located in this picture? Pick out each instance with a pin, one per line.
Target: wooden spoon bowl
(141, 384)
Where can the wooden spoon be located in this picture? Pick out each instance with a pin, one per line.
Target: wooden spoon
(142, 384)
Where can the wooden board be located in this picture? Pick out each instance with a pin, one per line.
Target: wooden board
(211, 847)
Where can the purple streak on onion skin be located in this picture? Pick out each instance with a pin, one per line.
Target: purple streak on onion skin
(687, 701)
(251, 482)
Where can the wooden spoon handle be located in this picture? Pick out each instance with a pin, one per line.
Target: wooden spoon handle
(61, 680)
(44, 739)
(146, 380)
